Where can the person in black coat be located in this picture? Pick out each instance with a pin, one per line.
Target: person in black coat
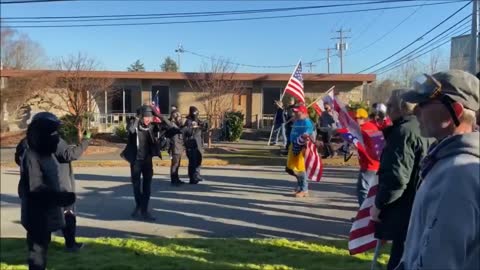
(398, 175)
(176, 146)
(40, 189)
(142, 146)
(289, 119)
(64, 154)
(192, 131)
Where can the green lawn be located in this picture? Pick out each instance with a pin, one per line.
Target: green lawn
(159, 253)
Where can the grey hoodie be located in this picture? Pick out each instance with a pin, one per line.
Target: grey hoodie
(444, 229)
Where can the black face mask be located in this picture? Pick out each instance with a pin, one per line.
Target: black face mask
(43, 137)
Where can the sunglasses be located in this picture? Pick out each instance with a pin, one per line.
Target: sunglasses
(427, 85)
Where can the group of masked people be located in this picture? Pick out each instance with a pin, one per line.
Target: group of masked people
(428, 194)
(47, 186)
(149, 133)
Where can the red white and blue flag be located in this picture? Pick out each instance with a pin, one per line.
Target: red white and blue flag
(295, 84)
(362, 233)
(155, 107)
(313, 162)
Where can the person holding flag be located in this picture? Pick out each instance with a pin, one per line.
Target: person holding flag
(302, 129)
(367, 158)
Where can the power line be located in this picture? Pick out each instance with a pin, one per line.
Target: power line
(415, 40)
(388, 32)
(411, 59)
(32, 1)
(225, 20)
(223, 12)
(454, 27)
(249, 65)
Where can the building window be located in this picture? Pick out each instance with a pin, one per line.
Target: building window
(269, 97)
(117, 100)
(163, 97)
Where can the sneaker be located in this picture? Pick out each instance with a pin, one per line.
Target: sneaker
(301, 194)
(75, 248)
(136, 213)
(148, 217)
(193, 182)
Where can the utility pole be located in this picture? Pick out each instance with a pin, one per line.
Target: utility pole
(179, 51)
(341, 45)
(328, 58)
(475, 43)
(310, 67)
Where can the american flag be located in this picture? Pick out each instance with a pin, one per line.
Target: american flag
(155, 107)
(362, 233)
(318, 106)
(313, 162)
(295, 84)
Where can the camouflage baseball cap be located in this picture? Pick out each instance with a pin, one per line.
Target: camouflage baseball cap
(458, 85)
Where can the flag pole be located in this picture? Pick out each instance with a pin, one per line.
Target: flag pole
(326, 92)
(281, 98)
(375, 255)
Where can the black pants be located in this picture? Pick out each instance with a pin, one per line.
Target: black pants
(326, 138)
(37, 242)
(176, 159)
(194, 163)
(70, 229)
(396, 252)
(142, 187)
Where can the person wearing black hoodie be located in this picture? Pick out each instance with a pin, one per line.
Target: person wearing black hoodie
(176, 146)
(192, 131)
(64, 154)
(39, 188)
(143, 144)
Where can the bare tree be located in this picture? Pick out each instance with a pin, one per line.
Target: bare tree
(215, 87)
(381, 90)
(18, 51)
(407, 72)
(434, 62)
(19, 91)
(77, 90)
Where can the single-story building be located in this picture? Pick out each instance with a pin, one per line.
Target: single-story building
(256, 101)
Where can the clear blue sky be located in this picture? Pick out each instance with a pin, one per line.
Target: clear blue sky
(261, 42)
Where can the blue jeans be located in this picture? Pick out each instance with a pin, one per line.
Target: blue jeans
(363, 184)
(281, 130)
(302, 181)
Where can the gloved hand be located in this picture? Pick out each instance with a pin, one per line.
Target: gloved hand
(87, 135)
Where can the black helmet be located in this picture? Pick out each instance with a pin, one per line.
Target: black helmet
(146, 110)
(42, 133)
(46, 116)
(193, 110)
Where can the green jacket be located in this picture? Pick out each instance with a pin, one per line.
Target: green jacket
(398, 176)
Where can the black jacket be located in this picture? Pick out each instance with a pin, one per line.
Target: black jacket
(65, 154)
(398, 176)
(156, 139)
(175, 135)
(193, 135)
(40, 192)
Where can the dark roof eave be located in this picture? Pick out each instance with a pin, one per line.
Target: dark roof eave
(308, 77)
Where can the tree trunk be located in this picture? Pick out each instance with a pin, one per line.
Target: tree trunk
(209, 138)
(79, 132)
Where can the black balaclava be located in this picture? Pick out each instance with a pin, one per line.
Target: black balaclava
(193, 113)
(42, 133)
